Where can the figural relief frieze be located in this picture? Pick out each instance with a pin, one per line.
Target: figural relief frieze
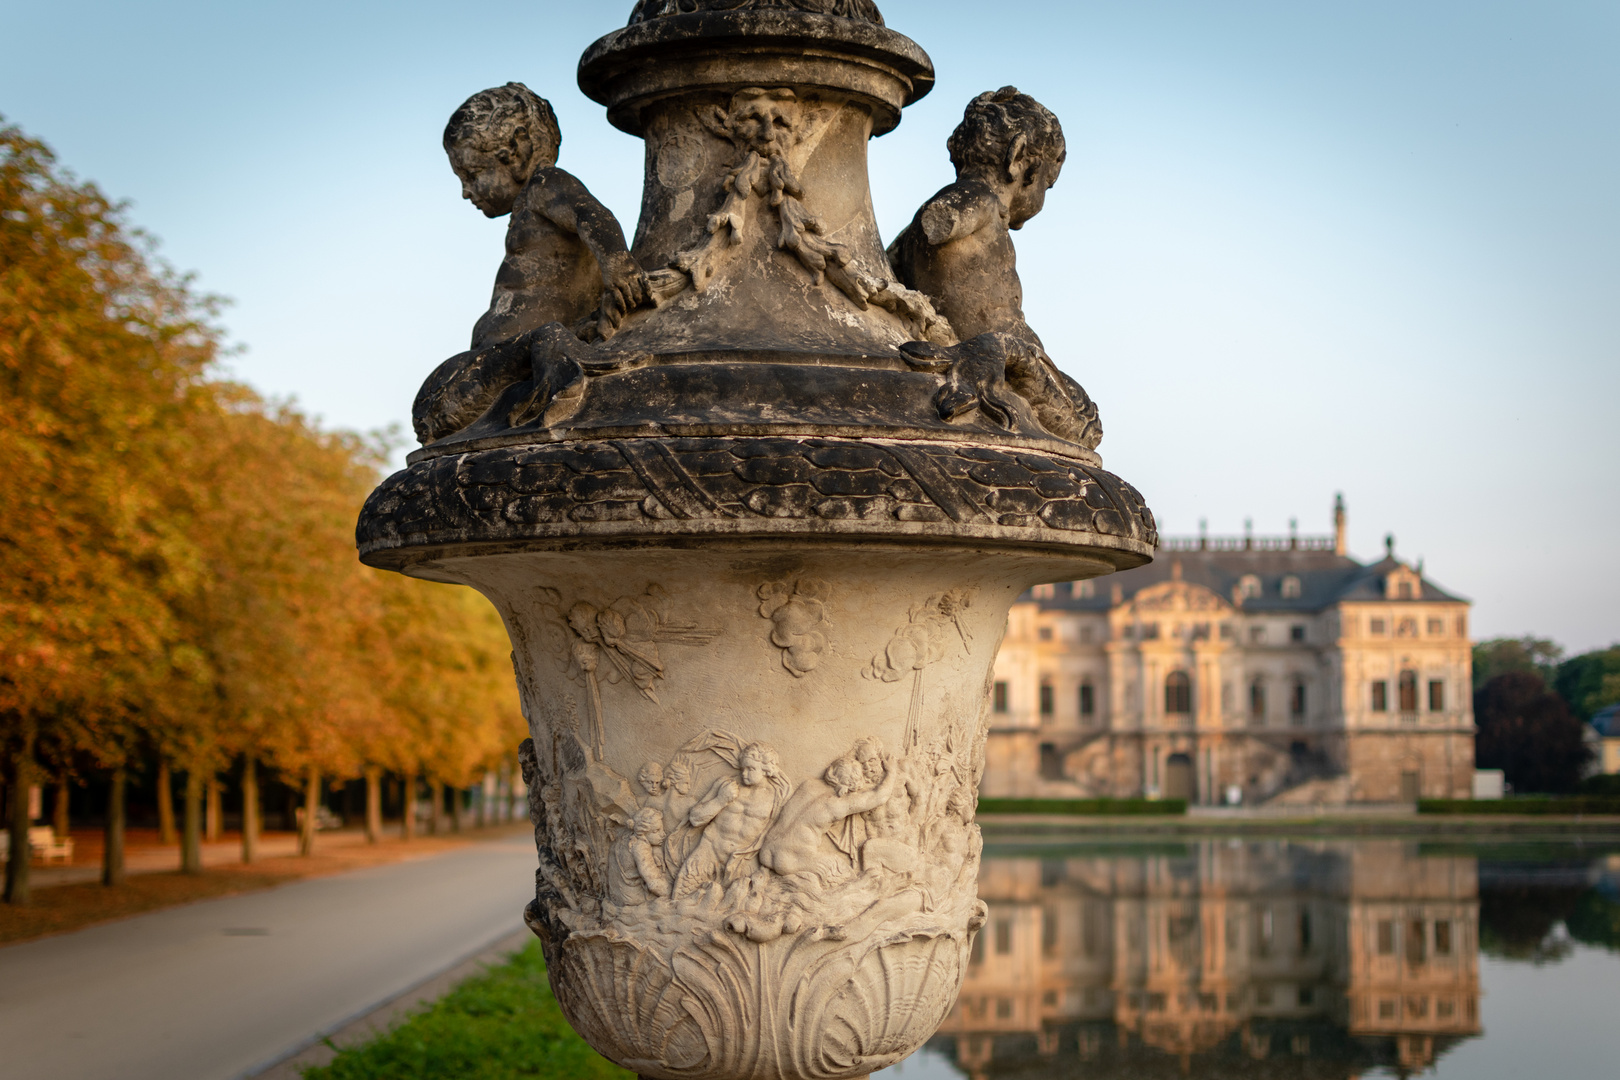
(754, 927)
(797, 610)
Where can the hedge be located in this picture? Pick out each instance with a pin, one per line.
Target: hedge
(1528, 805)
(1085, 807)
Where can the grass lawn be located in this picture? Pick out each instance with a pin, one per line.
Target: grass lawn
(499, 1025)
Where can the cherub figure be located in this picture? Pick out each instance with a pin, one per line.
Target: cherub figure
(958, 250)
(734, 814)
(637, 874)
(565, 254)
(800, 841)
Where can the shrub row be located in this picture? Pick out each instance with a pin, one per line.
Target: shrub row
(1085, 807)
(1526, 805)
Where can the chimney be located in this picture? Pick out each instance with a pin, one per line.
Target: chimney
(1340, 546)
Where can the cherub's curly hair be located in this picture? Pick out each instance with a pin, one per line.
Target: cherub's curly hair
(491, 116)
(993, 120)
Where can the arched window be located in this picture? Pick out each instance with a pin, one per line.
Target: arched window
(1408, 691)
(1177, 693)
(1291, 587)
(1249, 587)
(1257, 701)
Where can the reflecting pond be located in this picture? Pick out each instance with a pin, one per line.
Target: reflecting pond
(1263, 958)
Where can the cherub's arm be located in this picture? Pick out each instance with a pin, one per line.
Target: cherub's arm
(957, 212)
(715, 801)
(560, 198)
(652, 875)
(862, 801)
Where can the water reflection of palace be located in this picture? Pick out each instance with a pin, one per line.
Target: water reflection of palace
(1257, 959)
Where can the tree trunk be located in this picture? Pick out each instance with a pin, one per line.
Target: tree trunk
(373, 804)
(165, 799)
(407, 828)
(250, 809)
(112, 854)
(216, 809)
(458, 798)
(18, 860)
(437, 787)
(191, 824)
(485, 797)
(60, 821)
(312, 808)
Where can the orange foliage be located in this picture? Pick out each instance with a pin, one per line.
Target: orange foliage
(177, 564)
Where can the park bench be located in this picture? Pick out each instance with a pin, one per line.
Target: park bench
(42, 842)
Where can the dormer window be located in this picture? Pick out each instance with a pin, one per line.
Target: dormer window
(1249, 587)
(1291, 588)
(1403, 584)
(1085, 590)
(1044, 592)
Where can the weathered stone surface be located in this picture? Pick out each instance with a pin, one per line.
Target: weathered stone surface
(753, 510)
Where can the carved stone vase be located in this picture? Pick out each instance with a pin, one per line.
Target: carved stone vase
(755, 574)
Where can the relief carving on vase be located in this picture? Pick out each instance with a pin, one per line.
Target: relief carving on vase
(799, 624)
(756, 928)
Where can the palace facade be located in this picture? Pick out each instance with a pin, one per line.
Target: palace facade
(1237, 670)
(1256, 959)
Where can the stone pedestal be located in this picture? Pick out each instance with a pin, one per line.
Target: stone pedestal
(755, 576)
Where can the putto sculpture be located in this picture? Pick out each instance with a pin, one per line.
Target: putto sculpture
(753, 497)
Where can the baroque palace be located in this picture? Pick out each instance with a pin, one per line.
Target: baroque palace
(1255, 958)
(1238, 670)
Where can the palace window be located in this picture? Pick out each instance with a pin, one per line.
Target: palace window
(1048, 699)
(1405, 590)
(1257, 700)
(1051, 762)
(1043, 592)
(1177, 693)
(998, 697)
(1228, 632)
(1437, 628)
(1296, 632)
(1291, 588)
(1406, 628)
(1408, 685)
(1085, 635)
(1044, 633)
(1442, 937)
(1088, 699)
(1257, 635)
(1380, 696)
(1437, 695)
(1150, 631)
(1377, 627)
(1249, 587)
(1085, 590)
(1296, 702)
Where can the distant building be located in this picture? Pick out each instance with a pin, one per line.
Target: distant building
(1606, 726)
(1247, 668)
(1255, 959)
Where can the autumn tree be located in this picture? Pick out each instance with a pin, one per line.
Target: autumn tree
(104, 356)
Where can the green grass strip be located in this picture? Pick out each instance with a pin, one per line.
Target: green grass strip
(501, 1025)
(1086, 807)
(1527, 805)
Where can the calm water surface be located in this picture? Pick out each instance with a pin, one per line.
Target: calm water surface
(1273, 958)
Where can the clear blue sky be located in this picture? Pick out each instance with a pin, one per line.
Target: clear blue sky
(1298, 248)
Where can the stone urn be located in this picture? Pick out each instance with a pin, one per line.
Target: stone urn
(754, 539)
